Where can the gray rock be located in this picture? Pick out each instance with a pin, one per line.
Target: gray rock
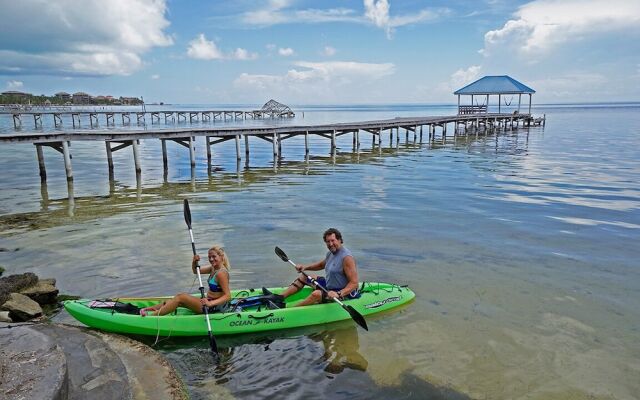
(4, 316)
(21, 308)
(15, 283)
(50, 281)
(41, 292)
(32, 365)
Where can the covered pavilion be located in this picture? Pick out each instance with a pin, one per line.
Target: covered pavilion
(489, 86)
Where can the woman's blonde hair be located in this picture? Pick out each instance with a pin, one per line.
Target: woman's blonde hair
(221, 253)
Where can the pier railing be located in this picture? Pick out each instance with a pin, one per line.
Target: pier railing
(111, 117)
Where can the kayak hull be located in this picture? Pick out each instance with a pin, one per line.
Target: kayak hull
(375, 298)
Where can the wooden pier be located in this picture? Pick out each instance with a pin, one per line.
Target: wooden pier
(275, 135)
(110, 118)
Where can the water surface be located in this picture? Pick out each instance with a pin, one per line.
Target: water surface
(521, 247)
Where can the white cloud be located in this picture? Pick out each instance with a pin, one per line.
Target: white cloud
(202, 49)
(328, 51)
(91, 37)
(322, 79)
(540, 26)
(275, 12)
(376, 12)
(242, 54)
(155, 76)
(13, 85)
(463, 77)
(287, 51)
(457, 80)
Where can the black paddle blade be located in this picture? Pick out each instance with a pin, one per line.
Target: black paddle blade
(281, 254)
(356, 316)
(187, 213)
(213, 344)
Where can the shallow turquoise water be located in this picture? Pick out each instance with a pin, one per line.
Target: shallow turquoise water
(521, 247)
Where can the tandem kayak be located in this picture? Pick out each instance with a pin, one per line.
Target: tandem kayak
(376, 297)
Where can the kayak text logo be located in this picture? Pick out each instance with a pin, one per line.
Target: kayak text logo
(270, 320)
(383, 302)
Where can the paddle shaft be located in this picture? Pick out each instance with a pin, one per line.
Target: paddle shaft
(205, 309)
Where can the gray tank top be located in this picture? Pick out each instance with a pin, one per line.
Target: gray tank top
(336, 279)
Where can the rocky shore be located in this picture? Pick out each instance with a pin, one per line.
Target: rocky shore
(43, 360)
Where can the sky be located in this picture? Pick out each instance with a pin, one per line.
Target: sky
(319, 52)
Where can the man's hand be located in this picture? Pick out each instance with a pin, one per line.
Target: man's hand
(334, 295)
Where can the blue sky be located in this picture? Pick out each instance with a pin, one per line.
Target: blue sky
(319, 52)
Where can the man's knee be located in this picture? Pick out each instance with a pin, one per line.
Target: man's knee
(299, 282)
(316, 295)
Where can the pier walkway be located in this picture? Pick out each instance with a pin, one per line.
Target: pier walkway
(111, 116)
(276, 135)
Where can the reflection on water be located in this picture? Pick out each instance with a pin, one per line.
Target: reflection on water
(521, 248)
(341, 350)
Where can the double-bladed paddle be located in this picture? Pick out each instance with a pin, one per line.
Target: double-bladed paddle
(187, 219)
(355, 315)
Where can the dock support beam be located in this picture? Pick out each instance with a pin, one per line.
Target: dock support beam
(274, 140)
(306, 142)
(192, 151)
(208, 142)
(107, 146)
(67, 160)
(165, 160)
(333, 140)
(238, 158)
(136, 156)
(41, 166)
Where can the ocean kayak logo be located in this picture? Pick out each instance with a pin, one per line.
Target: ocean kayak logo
(270, 319)
(383, 302)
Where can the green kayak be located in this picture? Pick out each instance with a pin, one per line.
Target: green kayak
(120, 315)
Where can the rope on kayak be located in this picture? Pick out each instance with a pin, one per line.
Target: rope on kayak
(377, 289)
(173, 322)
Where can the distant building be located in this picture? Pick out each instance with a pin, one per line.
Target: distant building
(63, 96)
(17, 95)
(130, 100)
(81, 98)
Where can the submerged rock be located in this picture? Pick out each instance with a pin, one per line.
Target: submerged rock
(21, 308)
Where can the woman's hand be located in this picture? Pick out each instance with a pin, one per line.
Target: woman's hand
(206, 302)
(300, 267)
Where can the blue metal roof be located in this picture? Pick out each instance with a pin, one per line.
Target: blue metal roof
(502, 84)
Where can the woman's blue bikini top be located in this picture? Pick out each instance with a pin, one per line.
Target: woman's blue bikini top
(213, 285)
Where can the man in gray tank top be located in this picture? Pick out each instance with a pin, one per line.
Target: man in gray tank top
(341, 272)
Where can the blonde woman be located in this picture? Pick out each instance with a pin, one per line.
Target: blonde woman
(218, 295)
